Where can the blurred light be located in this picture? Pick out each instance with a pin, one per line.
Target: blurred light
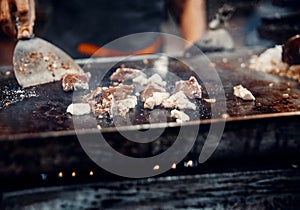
(174, 166)
(73, 174)
(60, 174)
(44, 176)
(91, 173)
(156, 167)
(190, 163)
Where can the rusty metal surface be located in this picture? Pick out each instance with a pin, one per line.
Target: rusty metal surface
(40, 111)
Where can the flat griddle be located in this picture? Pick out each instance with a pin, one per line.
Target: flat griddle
(40, 111)
(37, 135)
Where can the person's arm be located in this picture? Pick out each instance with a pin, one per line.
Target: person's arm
(25, 15)
(193, 20)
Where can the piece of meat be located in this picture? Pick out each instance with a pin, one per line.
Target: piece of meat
(103, 98)
(180, 116)
(122, 107)
(155, 78)
(156, 99)
(122, 91)
(140, 80)
(178, 101)
(243, 93)
(75, 81)
(123, 74)
(79, 109)
(150, 89)
(190, 88)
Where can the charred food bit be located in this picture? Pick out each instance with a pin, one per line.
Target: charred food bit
(180, 116)
(243, 93)
(190, 88)
(178, 101)
(79, 109)
(75, 81)
(123, 74)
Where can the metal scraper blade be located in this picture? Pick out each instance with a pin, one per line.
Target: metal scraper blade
(36, 61)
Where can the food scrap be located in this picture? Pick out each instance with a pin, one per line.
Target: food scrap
(75, 81)
(243, 93)
(178, 101)
(180, 116)
(271, 61)
(123, 74)
(106, 100)
(79, 109)
(191, 88)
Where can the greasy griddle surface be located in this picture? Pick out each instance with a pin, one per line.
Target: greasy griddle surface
(42, 108)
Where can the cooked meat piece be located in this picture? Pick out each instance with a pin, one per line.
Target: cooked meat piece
(269, 61)
(243, 93)
(140, 80)
(92, 95)
(156, 99)
(191, 88)
(101, 99)
(122, 74)
(178, 101)
(150, 89)
(79, 109)
(122, 91)
(155, 78)
(180, 116)
(75, 81)
(122, 107)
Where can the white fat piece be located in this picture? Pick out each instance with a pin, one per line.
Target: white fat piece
(179, 101)
(180, 116)
(79, 109)
(156, 99)
(243, 93)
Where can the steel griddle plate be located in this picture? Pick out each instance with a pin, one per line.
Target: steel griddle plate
(41, 111)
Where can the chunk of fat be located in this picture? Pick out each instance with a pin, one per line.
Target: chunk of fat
(142, 80)
(269, 60)
(122, 107)
(79, 109)
(155, 78)
(179, 101)
(156, 99)
(243, 93)
(180, 116)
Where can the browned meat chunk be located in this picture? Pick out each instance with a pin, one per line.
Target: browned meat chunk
(150, 89)
(122, 74)
(75, 81)
(190, 88)
(108, 99)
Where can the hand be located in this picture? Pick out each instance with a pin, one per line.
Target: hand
(21, 23)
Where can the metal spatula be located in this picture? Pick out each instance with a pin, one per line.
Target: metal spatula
(36, 61)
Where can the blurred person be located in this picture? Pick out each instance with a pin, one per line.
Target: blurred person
(81, 28)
